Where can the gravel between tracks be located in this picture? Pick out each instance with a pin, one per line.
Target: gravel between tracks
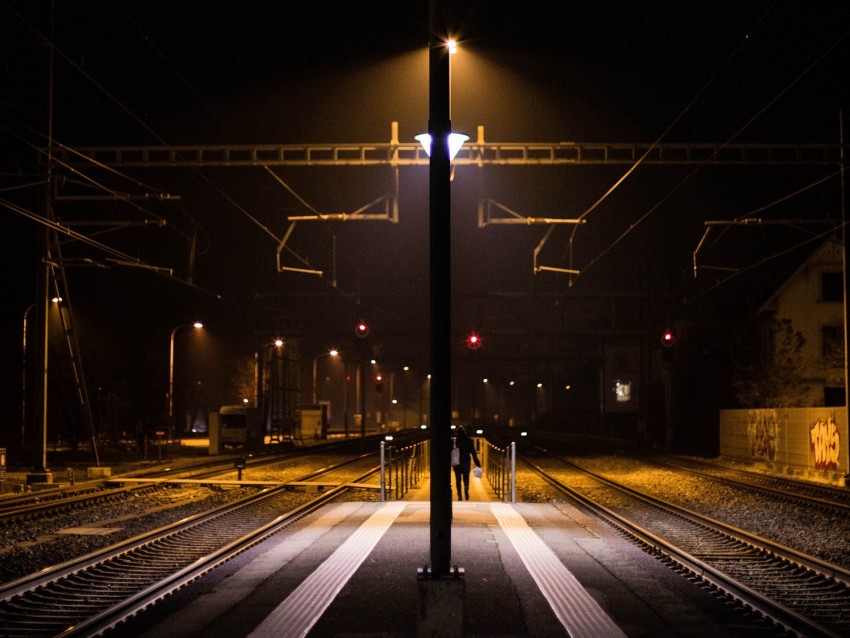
(45, 541)
(817, 533)
(40, 543)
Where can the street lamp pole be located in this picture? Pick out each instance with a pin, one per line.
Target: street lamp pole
(330, 353)
(439, 128)
(24, 380)
(197, 325)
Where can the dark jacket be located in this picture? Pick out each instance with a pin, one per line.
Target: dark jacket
(467, 450)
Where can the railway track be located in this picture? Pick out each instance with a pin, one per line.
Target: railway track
(820, 496)
(98, 592)
(802, 594)
(64, 499)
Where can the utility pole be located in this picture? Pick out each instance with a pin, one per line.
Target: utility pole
(845, 261)
(439, 127)
(441, 589)
(40, 472)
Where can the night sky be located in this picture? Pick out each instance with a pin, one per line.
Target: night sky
(164, 73)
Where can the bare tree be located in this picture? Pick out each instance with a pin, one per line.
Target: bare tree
(245, 379)
(768, 368)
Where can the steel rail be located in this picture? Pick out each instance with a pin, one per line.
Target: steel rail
(113, 617)
(107, 571)
(64, 498)
(816, 492)
(765, 488)
(746, 595)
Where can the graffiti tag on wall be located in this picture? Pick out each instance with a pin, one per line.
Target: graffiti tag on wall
(825, 443)
(762, 434)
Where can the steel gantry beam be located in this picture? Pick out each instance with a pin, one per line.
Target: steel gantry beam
(477, 153)
(396, 154)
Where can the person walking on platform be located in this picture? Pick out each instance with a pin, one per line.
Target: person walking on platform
(465, 453)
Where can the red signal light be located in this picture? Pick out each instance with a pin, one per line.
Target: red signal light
(473, 341)
(361, 330)
(668, 339)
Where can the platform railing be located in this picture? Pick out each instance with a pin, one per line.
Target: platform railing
(402, 467)
(499, 465)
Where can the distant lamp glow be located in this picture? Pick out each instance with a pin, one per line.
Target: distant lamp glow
(623, 390)
(456, 141)
(197, 324)
(451, 45)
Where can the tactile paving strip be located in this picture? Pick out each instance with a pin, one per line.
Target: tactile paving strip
(297, 614)
(577, 611)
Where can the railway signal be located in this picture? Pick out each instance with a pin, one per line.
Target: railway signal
(361, 330)
(668, 340)
(473, 341)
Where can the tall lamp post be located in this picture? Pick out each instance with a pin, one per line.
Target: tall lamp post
(24, 380)
(330, 353)
(438, 145)
(197, 325)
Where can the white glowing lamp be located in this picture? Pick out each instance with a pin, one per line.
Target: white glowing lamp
(456, 141)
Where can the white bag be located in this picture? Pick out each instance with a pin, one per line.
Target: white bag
(455, 454)
(478, 472)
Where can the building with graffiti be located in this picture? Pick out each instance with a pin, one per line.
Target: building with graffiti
(811, 302)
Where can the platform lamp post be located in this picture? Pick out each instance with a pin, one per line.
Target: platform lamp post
(329, 353)
(197, 326)
(845, 262)
(437, 143)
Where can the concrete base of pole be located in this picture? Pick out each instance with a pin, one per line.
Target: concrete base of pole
(39, 477)
(439, 608)
(98, 472)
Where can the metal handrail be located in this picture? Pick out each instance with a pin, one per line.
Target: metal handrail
(499, 465)
(402, 468)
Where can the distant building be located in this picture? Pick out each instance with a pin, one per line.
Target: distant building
(812, 299)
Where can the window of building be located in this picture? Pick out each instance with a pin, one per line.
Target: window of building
(833, 345)
(832, 286)
(833, 397)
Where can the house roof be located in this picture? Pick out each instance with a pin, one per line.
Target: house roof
(824, 257)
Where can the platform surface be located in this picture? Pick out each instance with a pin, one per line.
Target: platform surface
(350, 570)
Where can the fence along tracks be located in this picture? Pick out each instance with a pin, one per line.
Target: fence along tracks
(803, 594)
(92, 594)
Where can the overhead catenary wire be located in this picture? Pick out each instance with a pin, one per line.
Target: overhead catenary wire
(100, 87)
(826, 52)
(659, 139)
(749, 216)
(777, 255)
(207, 107)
